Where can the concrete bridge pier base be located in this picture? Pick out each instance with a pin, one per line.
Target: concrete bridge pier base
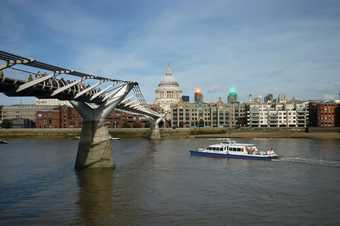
(95, 145)
(155, 132)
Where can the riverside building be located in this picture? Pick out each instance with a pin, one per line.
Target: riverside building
(52, 102)
(168, 92)
(200, 114)
(324, 114)
(20, 115)
(282, 113)
(185, 115)
(19, 111)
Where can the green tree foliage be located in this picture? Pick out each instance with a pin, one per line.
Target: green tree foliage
(30, 78)
(6, 124)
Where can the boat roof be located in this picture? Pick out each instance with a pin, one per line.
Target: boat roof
(239, 144)
(231, 144)
(215, 145)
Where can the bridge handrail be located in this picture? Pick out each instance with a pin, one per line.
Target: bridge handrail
(15, 59)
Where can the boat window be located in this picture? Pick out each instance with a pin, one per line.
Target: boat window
(235, 149)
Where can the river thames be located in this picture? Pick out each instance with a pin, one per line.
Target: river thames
(159, 183)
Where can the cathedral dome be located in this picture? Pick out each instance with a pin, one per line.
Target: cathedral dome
(168, 82)
(168, 91)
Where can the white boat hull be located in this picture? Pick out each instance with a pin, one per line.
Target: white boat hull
(229, 155)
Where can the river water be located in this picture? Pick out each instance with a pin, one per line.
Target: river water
(159, 183)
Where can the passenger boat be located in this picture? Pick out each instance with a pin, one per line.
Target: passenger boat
(231, 149)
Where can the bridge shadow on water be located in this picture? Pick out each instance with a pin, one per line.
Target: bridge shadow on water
(111, 196)
(95, 196)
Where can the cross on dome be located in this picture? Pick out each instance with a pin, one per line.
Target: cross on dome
(168, 79)
(168, 71)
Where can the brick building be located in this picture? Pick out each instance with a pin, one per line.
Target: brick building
(60, 117)
(324, 114)
(69, 117)
(48, 119)
(337, 116)
(124, 120)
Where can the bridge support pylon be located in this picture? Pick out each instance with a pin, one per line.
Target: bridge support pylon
(155, 132)
(95, 145)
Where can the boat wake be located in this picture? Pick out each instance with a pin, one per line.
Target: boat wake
(319, 162)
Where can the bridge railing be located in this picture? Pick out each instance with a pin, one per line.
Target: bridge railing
(67, 84)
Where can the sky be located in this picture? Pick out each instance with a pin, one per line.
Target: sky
(287, 47)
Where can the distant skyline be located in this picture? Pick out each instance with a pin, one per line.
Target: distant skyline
(287, 47)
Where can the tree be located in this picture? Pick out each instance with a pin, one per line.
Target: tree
(30, 78)
(6, 124)
(126, 125)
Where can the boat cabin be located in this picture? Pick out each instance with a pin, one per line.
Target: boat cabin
(234, 147)
(249, 148)
(216, 148)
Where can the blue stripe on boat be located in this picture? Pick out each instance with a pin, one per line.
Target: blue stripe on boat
(217, 155)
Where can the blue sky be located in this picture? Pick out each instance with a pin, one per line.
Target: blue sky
(259, 47)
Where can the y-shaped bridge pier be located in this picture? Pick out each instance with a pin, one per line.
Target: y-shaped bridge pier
(94, 97)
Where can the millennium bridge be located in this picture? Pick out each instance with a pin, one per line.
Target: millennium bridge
(93, 96)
